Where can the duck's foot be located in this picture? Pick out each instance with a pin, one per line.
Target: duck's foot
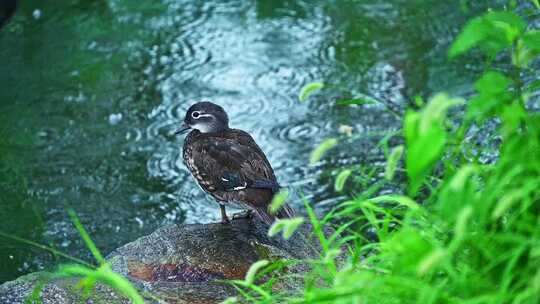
(243, 215)
(224, 218)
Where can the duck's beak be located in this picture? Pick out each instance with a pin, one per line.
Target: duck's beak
(184, 129)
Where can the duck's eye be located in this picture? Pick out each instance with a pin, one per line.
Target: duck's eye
(196, 114)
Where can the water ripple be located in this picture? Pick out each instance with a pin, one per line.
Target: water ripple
(298, 132)
(164, 166)
(153, 59)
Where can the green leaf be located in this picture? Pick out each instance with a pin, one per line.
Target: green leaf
(253, 269)
(419, 101)
(434, 113)
(458, 181)
(431, 261)
(473, 33)
(355, 101)
(290, 226)
(277, 227)
(531, 40)
(278, 200)
(407, 248)
(392, 162)
(399, 199)
(286, 226)
(309, 89)
(510, 23)
(522, 55)
(230, 300)
(512, 115)
(331, 255)
(425, 136)
(492, 83)
(317, 226)
(461, 224)
(533, 86)
(536, 3)
(492, 32)
(410, 128)
(341, 179)
(506, 202)
(493, 92)
(318, 153)
(422, 154)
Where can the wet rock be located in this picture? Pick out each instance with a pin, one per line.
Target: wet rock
(179, 264)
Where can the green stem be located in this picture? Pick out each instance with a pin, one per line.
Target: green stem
(46, 248)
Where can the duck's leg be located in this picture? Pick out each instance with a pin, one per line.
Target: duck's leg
(224, 218)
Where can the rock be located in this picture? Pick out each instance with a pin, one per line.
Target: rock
(180, 264)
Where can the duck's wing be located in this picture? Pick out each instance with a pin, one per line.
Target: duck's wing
(232, 168)
(226, 163)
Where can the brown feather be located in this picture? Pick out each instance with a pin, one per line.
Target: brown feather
(210, 155)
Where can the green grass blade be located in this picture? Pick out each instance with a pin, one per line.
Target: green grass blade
(341, 179)
(278, 201)
(309, 89)
(392, 162)
(86, 237)
(319, 152)
(45, 248)
(253, 269)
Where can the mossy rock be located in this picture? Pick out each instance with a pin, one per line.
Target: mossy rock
(179, 264)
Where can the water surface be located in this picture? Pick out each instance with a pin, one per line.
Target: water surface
(92, 90)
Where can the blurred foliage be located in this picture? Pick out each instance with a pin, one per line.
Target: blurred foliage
(468, 230)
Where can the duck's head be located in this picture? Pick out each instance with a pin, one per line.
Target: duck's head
(205, 116)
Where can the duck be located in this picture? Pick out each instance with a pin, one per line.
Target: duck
(228, 164)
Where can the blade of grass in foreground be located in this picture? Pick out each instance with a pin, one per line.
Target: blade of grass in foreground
(103, 274)
(82, 269)
(45, 248)
(86, 237)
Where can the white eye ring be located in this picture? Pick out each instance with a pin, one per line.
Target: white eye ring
(196, 114)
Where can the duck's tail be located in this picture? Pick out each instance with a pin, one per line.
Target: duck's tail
(285, 211)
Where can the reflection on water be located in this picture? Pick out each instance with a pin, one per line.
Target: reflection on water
(99, 86)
